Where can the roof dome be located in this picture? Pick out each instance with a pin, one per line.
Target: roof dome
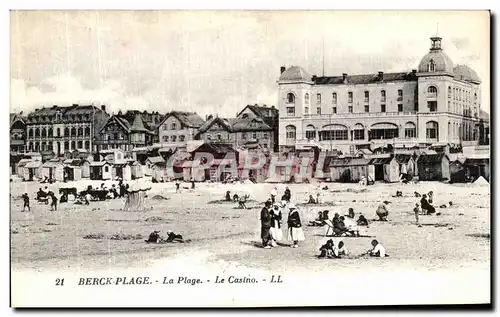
(295, 73)
(464, 72)
(436, 60)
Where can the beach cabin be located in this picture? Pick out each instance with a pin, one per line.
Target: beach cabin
(253, 164)
(350, 170)
(100, 170)
(386, 168)
(221, 162)
(73, 169)
(32, 170)
(135, 169)
(159, 172)
(152, 161)
(47, 155)
(433, 167)
(20, 166)
(121, 170)
(406, 164)
(477, 166)
(457, 170)
(53, 170)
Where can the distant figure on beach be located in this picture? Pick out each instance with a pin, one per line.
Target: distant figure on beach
(276, 220)
(431, 196)
(416, 211)
(295, 232)
(288, 195)
(192, 184)
(383, 210)
(417, 194)
(378, 250)
(53, 205)
(426, 206)
(362, 181)
(177, 186)
(311, 200)
(350, 213)
(341, 250)
(242, 202)
(26, 201)
(326, 250)
(362, 221)
(319, 221)
(228, 195)
(265, 222)
(399, 193)
(274, 193)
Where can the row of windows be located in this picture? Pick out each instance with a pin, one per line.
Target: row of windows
(460, 94)
(42, 146)
(173, 126)
(37, 132)
(291, 110)
(291, 97)
(81, 117)
(173, 138)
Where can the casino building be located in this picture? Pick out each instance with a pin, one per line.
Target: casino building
(436, 104)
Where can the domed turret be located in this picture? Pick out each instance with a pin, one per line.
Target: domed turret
(436, 60)
(464, 72)
(295, 73)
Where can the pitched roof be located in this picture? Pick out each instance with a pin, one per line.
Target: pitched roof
(224, 122)
(431, 158)
(216, 148)
(381, 160)
(364, 79)
(348, 161)
(138, 124)
(261, 111)
(402, 158)
(249, 124)
(156, 159)
(33, 164)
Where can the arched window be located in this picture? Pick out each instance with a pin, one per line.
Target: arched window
(359, 132)
(310, 132)
(44, 133)
(449, 92)
(30, 147)
(80, 144)
(73, 145)
(432, 94)
(165, 138)
(66, 131)
(73, 132)
(382, 95)
(431, 130)
(80, 131)
(37, 132)
(30, 133)
(87, 131)
(333, 132)
(334, 98)
(43, 146)
(174, 138)
(384, 131)
(87, 145)
(431, 66)
(432, 90)
(410, 130)
(290, 98)
(306, 98)
(182, 138)
(318, 99)
(58, 131)
(37, 147)
(49, 132)
(291, 133)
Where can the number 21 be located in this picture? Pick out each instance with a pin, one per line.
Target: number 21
(59, 281)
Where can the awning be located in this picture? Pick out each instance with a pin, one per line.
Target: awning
(98, 163)
(34, 164)
(170, 148)
(476, 161)
(50, 164)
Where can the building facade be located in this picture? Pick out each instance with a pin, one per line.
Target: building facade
(438, 103)
(179, 127)
(60, 129)
(128, 131)
(17, 133)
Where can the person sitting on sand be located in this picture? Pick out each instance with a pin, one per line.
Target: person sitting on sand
(383, 210)
(399, 193)
(351, 225)
(64, 198)
(242, 202)
(228, 195)
(341, 250)
(362, 221)
(327, 250)
(172, 237)
(350, 213)
(319, 221)
(154, 237)
(311, 200)
(339, 228)
(417, 194)
(431, 196)
(426, 206)
(378, 250)
(235, 197)
(362, 181)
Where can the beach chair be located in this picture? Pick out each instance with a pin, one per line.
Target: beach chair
(329, 228)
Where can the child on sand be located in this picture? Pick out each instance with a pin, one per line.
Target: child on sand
(416, 210)
(327, 250)
(378, 250)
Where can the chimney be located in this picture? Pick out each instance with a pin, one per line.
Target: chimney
(54, 106)
(282, 69)
(103, 108)
(344, 77)
(314, 77)
(380, 76)
(75, 105)
(273, 107)
(413, 71)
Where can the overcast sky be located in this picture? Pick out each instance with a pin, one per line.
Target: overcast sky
(218, 62)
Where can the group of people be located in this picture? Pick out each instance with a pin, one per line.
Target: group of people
(43, 196)
(331, 251)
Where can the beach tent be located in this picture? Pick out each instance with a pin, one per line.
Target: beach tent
(136, 197)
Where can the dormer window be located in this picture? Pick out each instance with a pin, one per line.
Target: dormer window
(290, 98)
(432, 66)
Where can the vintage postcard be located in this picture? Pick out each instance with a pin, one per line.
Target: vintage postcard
(249, 158)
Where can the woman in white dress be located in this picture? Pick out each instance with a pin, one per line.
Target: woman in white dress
(295, 232)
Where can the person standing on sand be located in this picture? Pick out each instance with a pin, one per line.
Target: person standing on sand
(274, 193)
(53, 205)
(383, 210)
(192, 184)
(26, 200)
(416, 211)
(276, 233)
(266, 222)
(295, 232)
(177, 186)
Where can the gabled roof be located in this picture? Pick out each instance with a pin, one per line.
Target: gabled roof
(364, 79)
(33, 164)
(155, 159)
(261, 111)
(188, 119)
(225, 123)
(215, 148)
(250, 124)
(14, 117)
(381, 160)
